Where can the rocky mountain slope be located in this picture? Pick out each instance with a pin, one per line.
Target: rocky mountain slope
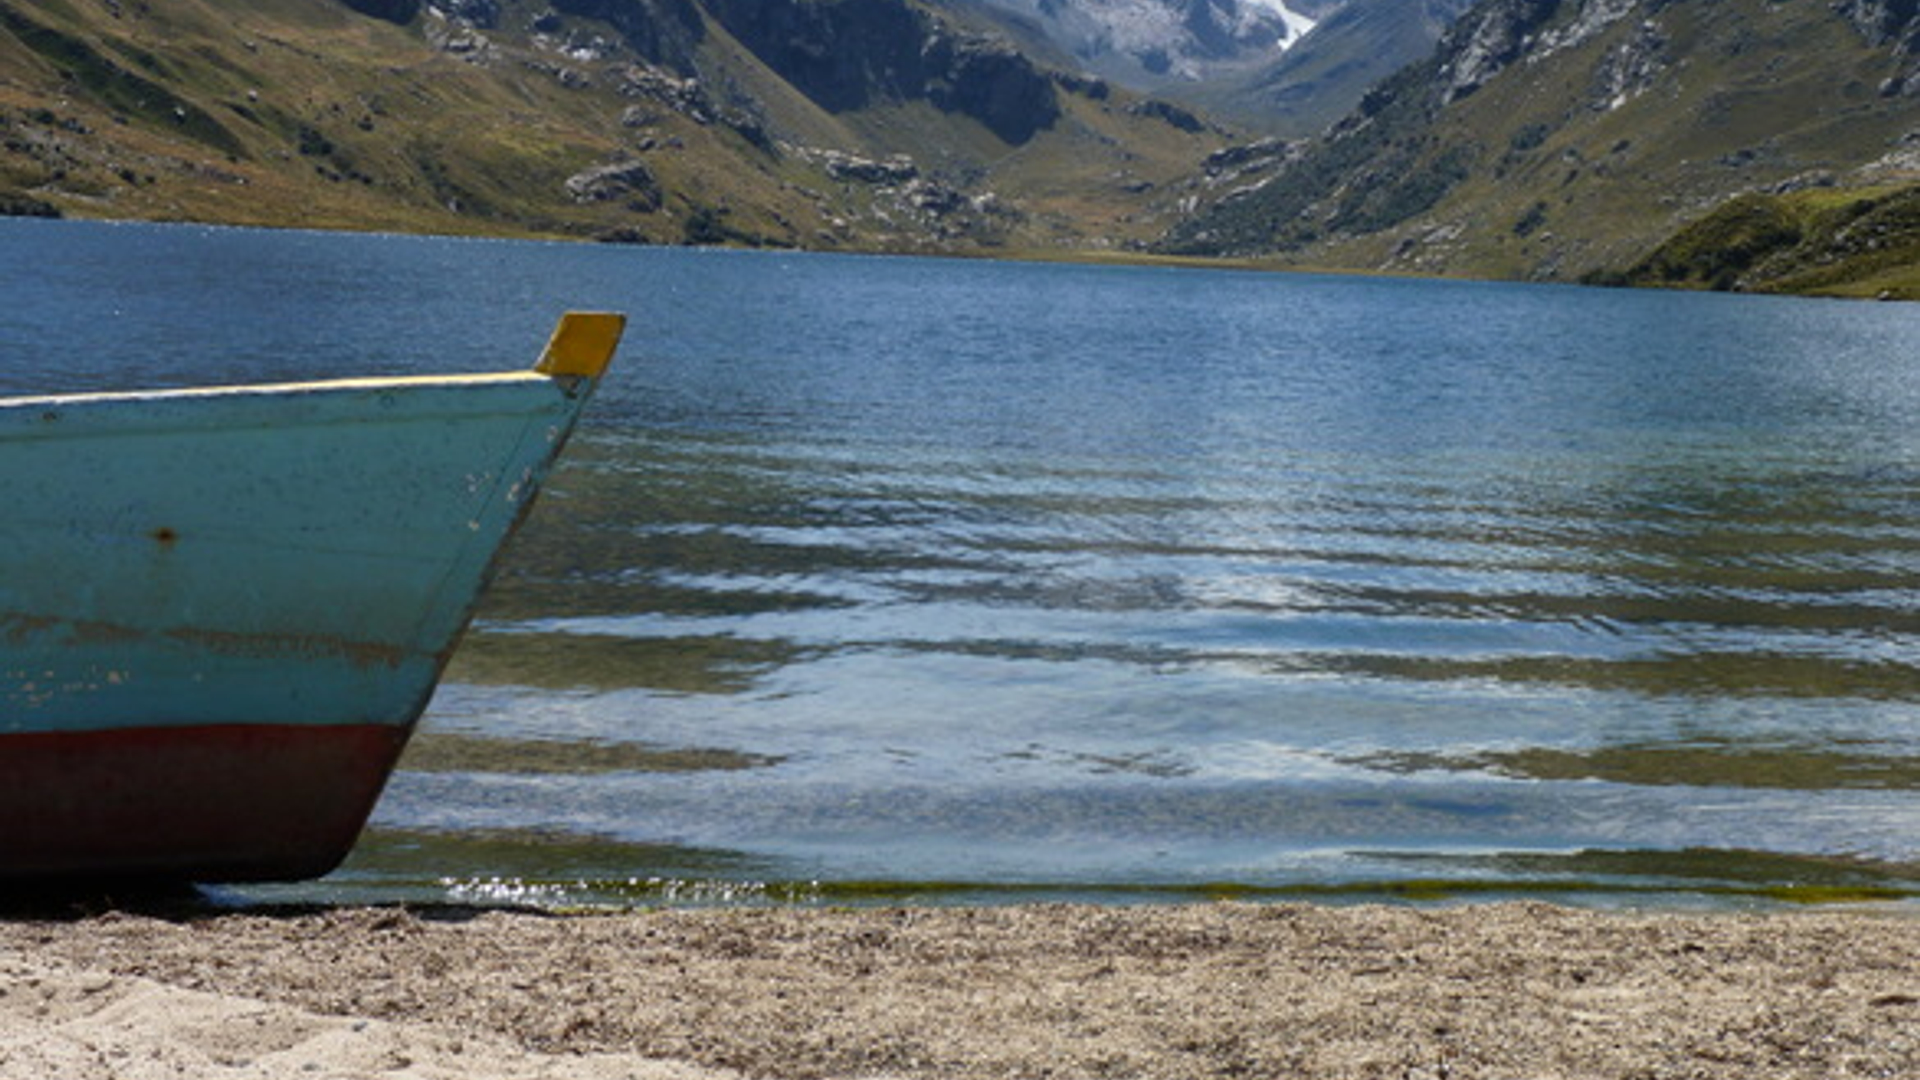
(861, 124)
(1603, 140)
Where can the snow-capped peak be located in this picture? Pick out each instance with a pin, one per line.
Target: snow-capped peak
(1154, 41)
(1297, 24)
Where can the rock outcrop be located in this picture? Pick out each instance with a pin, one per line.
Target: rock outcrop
(627, 181)
(845, 56)
(400, 12)
(1488, 39)
(1894, 24)
(663, 31)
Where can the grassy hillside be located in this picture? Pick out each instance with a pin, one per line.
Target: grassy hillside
(1569, 140)
(520, 118)
(1861, 242)
(285, 112)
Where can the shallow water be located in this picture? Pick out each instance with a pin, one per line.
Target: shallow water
(960, 580)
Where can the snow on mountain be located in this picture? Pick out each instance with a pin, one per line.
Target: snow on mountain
(1147, 43)
(1297, 23)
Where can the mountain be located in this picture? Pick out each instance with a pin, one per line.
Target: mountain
(1153, 44)
(1285, 67)
(1580, 139)
(894, 125)
(1323, 76)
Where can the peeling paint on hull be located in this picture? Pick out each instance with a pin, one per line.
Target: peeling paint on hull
(238, 601)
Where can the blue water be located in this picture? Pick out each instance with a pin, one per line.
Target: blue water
(923, 578)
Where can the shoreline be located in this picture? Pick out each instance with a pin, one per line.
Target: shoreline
(1510, 989)
(1090, 256)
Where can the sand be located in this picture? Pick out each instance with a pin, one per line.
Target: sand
(1516, 991)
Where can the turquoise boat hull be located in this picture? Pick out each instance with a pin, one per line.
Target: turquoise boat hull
(223, 610)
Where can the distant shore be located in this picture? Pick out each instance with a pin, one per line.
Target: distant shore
(1082, 255)
(1296, 991)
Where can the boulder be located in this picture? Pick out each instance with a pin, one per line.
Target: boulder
(631, 181)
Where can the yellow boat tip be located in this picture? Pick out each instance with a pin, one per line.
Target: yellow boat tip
(582, 344)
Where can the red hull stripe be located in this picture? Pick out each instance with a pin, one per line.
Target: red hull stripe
(231, 802)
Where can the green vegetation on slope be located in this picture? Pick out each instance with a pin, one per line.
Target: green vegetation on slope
(1567, 139)
(644, 121)
(1839, 242)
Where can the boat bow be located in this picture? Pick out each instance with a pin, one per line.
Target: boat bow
(222, 610)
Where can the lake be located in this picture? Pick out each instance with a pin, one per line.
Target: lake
(914, 579)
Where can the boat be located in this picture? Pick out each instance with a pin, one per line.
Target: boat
(223, 609)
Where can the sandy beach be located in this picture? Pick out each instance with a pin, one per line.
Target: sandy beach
(1524, 991)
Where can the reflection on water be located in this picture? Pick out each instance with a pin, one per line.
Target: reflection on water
(907, 576)
(1360, 572)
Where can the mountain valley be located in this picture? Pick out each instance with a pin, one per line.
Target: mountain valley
(1744, 144)
(864, 125)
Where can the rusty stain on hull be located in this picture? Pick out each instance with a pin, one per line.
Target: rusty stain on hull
(362, 654)
(18, 630)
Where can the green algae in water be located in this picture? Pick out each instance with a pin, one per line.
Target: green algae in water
(440, 752)
(561, 871)
(690, 664)
(1698, 762)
